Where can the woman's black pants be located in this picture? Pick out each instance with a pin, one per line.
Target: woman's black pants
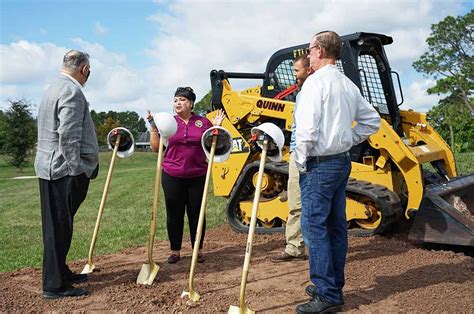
(182, 194)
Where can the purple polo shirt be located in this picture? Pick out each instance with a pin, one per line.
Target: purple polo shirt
(184, 156)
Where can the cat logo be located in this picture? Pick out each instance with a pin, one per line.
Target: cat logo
(238, 146)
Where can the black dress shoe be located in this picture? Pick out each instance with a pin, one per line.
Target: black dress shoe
(69, 292)
(310, 292)
(77, 278)
(318, 305)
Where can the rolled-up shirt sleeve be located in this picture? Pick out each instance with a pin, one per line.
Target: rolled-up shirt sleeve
(368, 121)
(307, 116)
(71, 114)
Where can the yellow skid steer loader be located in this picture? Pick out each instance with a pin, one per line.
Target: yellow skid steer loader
(403, 172)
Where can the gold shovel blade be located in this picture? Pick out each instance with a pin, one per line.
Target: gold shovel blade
(147, 274)
(193, 295)
(237, 310)
(89, 268)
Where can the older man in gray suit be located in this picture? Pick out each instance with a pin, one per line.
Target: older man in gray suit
(67, 158)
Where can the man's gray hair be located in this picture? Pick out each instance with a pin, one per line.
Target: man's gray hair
(75, 59)
(330, 42)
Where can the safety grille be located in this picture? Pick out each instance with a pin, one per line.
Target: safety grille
(339, 66)
(284, 75)
(372, 88)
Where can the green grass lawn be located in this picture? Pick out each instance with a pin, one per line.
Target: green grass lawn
(125, 222)
(465, 163)
(126, 219)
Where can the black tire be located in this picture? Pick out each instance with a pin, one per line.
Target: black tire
(386, 203)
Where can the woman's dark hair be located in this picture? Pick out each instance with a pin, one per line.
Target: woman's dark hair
(186, 92)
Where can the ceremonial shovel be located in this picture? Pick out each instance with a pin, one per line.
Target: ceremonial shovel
(149, 270)
(253, 221)
(193, 295)
(89, 268)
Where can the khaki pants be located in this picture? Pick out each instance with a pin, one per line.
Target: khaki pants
(294, 237)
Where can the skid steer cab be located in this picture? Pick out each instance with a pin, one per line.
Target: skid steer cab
(404, 173)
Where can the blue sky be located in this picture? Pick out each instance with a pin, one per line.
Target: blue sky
(142, 50)
(121, 26)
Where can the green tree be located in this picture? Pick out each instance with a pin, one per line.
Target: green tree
(95, 118)
(3, 129)
(203, 106)
(451, 113)
(132, 121)
(106, 121)
(18, 130)
(103, 130)
(449, 58)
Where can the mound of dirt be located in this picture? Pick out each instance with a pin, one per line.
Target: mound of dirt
(382, 275)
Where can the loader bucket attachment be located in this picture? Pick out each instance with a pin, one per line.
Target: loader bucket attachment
(446, 214)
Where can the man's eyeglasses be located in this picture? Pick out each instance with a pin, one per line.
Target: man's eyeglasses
(308, 50)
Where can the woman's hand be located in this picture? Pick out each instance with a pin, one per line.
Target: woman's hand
(148, 115)
(150, 120)
(217, 119)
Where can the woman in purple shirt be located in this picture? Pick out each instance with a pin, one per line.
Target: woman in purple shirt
(184, 170)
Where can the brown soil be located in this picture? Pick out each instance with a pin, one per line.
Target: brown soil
(383, 275)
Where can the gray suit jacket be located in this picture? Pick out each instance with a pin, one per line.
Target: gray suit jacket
(67, 142)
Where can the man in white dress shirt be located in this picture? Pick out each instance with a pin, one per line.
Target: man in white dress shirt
(329, 103)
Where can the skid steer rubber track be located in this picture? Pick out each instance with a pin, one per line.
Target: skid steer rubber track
(244, 190)
(387, 203)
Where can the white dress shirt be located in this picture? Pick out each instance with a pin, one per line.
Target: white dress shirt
(329, 103)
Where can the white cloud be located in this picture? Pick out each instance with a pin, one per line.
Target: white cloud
(198, 36)
(408, 44)
(27, 62)
(100, 29)
(417, 98)
(27, 69)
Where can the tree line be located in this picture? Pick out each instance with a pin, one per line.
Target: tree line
(106, 121)
(18, 129)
